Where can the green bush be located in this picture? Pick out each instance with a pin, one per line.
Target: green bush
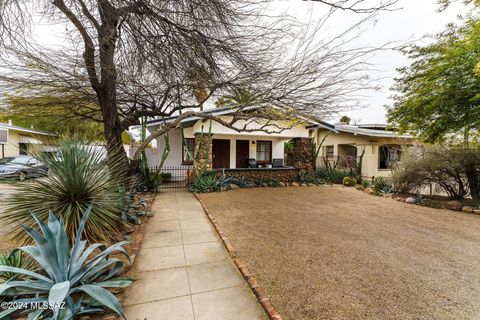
(332, 175)
(382, 185)
(365, 183)
(242, 182)
(209, 181)
(78, 176)
(349, 181)
(73, 279)
(149, 179)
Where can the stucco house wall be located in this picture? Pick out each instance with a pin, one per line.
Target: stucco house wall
(371, 145)
(14, 137)
(219, 131)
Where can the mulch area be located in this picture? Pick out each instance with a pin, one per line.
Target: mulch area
(332, 252)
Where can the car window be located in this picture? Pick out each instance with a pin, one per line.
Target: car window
(32, 161)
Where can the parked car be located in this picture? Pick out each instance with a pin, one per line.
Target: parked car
(21, 167)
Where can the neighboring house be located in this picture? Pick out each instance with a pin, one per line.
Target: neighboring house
(383, 148)
(16, 141)
(230, 149)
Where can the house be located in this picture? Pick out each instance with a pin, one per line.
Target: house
(258, 148)
(381, 147)
(16, 141)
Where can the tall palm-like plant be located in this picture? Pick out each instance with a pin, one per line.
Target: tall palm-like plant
(78, 175)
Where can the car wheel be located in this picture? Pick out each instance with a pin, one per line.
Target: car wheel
(22, 176)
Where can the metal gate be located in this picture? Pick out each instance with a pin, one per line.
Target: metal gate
(175, 177)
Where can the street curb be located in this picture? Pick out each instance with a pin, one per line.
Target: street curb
(243, 268)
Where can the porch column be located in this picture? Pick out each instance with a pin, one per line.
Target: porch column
(303, 154)
(203, 150)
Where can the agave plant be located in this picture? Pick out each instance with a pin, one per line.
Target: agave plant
(17, 259)
(78, 175)
(72, 280)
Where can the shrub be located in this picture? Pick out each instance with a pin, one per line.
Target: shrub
(365, 183)
(454, 170)
(382, 185)
(75, 277)
(78, 176)
(149, 179)
(209, 181)
(242, 182)
(332, 175)
(349, 181)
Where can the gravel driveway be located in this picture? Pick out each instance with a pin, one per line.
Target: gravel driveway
(337, 253)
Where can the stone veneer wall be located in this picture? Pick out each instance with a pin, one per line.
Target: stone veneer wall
(286, 175)
(303, 154)
(202, 144)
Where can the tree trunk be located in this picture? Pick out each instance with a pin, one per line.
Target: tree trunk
(107, 94)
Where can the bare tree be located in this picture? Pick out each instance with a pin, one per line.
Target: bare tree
(162, 58)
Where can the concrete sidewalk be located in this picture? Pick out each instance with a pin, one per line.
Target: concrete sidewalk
(183, 270)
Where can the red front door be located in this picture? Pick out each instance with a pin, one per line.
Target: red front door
(221, 153)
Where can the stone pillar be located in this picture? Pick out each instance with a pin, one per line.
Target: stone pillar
(203, 151)
(303, 154)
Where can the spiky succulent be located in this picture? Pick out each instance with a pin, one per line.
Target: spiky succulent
(72, 281)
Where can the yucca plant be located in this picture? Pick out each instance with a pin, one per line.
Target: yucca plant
(72, 280)
(78, 175)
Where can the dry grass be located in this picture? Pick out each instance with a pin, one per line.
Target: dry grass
(337, 253)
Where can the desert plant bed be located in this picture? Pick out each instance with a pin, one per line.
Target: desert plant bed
(331, 252)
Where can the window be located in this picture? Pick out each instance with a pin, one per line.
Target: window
(23, 149)
(329, 151)
(389, 156)
(188, 151)
(264, 151)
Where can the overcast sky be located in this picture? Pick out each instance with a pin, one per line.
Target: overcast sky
(413, 20)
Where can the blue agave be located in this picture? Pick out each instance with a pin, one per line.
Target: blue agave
(72, 280)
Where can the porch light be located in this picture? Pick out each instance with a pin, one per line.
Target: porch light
(253, 141)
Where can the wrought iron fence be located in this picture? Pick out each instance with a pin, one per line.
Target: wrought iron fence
(174, 177)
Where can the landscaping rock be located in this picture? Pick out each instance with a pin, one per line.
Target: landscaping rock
(476, 211)
(310, 184)
(467, 209)
(303, 185)
(294, 184)
(399, 199)
(264, 185)
(368, 190)
(281, 184)
(234, 186)
(388, 195)
(453, 205)
(411, 200)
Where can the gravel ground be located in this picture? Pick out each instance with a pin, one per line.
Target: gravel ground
(337, 253)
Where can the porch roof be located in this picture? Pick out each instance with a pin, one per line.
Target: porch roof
(365, 131)
(190, 121)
